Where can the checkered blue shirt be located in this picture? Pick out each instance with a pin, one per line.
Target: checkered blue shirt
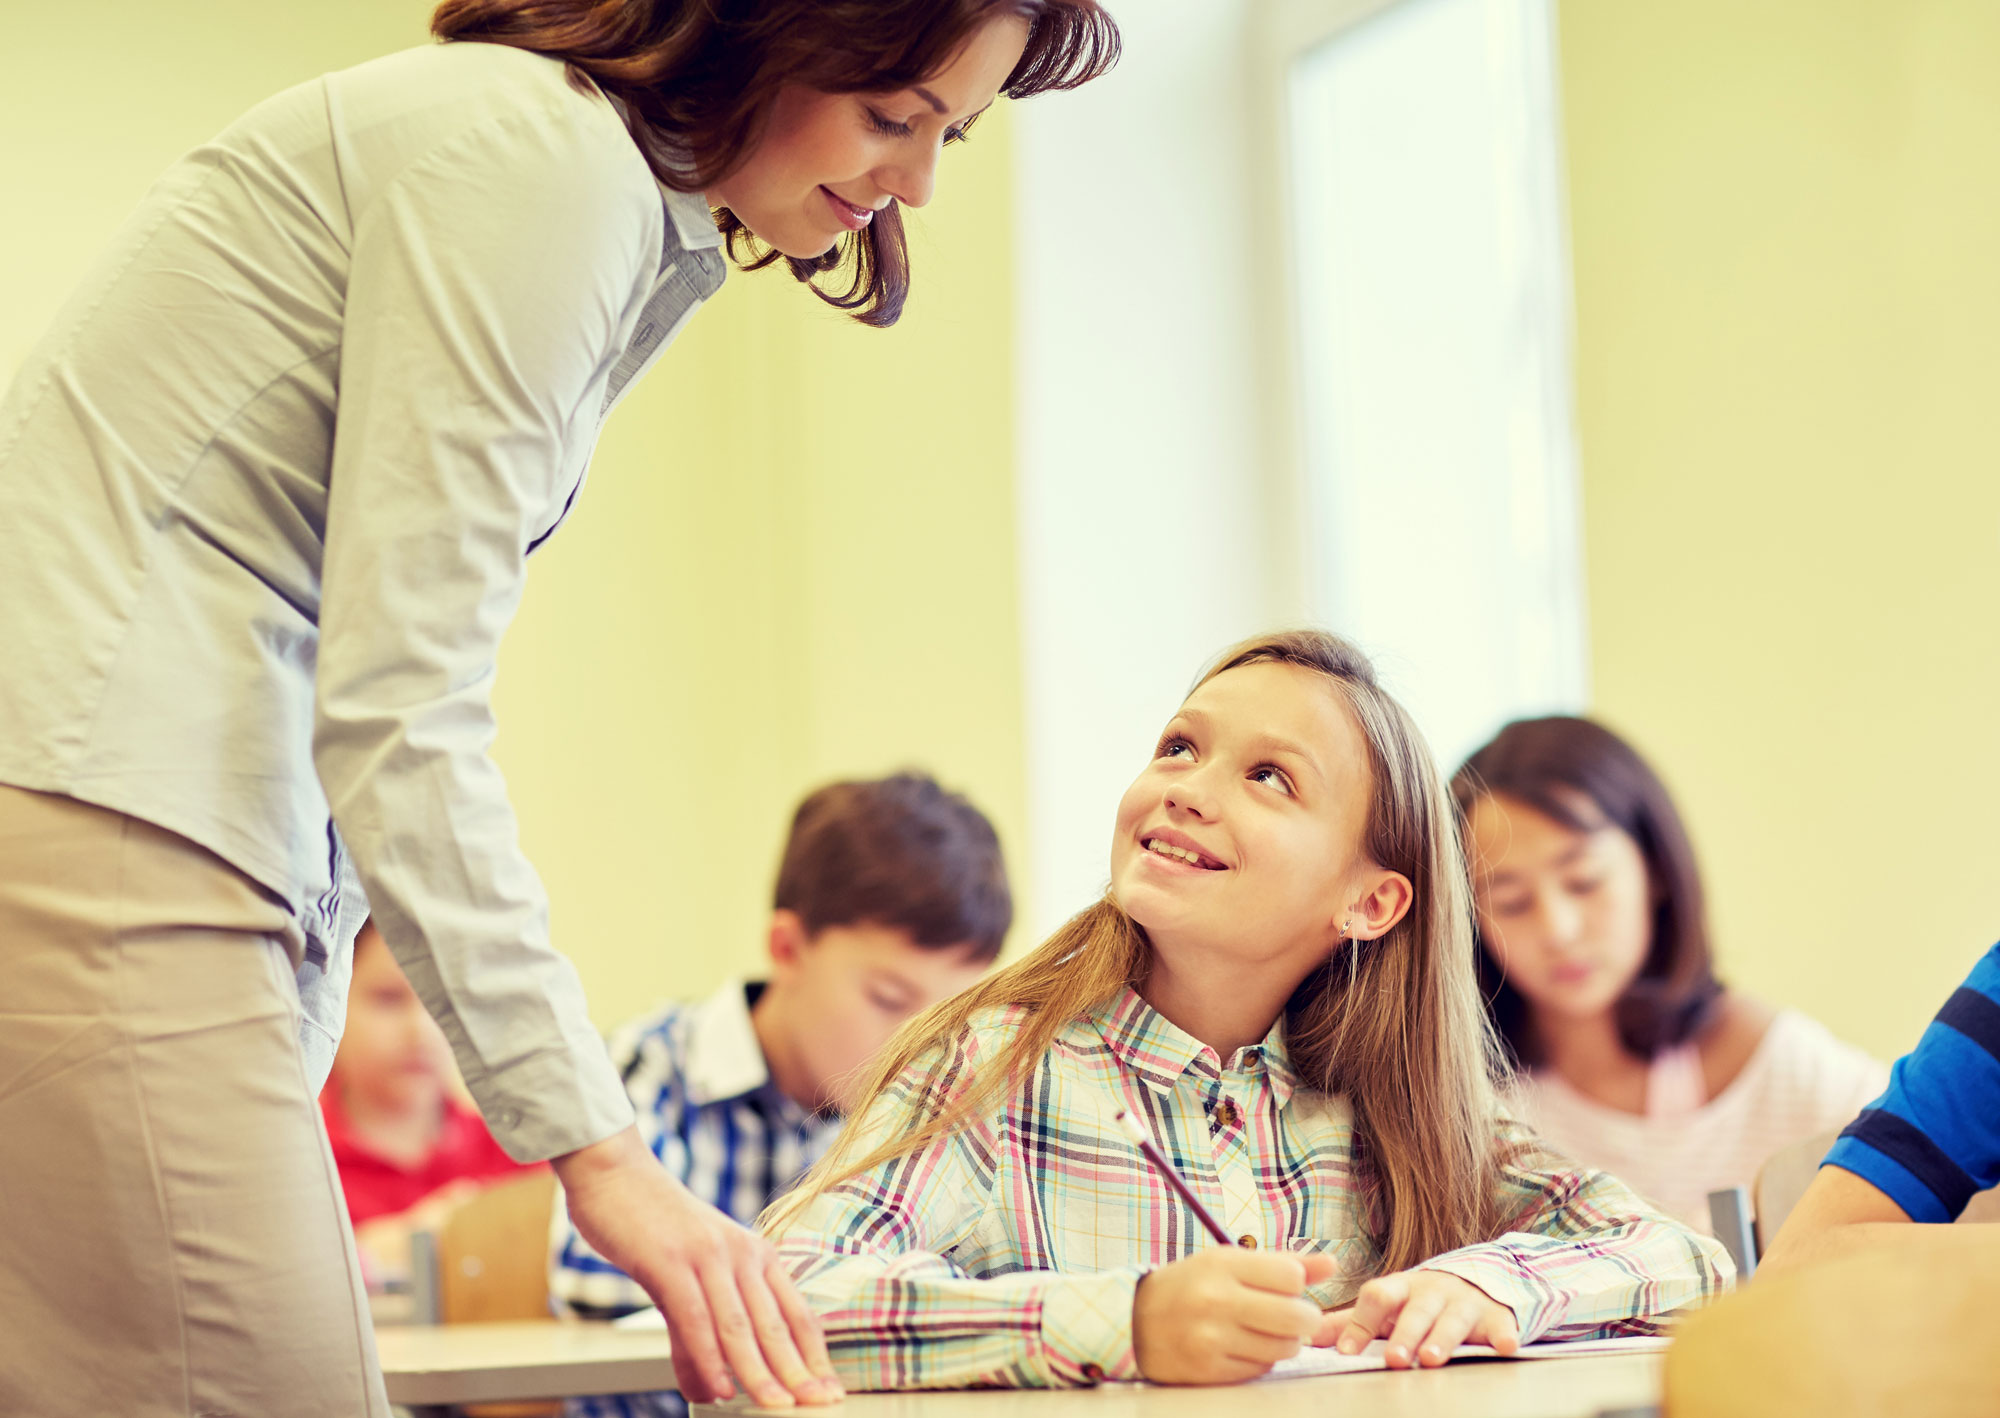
(708, 1109)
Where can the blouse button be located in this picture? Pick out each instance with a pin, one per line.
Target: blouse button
(1249, 1243)
(1094, 1373)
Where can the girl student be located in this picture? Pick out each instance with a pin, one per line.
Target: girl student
(268, 486)
(1280, 987)
(1595, 965)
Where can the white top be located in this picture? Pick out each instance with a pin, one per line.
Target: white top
(1800, 1081)
(268, 486)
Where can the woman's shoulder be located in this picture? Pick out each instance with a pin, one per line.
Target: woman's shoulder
(447, 77)
(477, 102)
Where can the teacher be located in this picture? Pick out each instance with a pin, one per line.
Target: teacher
(266, 491)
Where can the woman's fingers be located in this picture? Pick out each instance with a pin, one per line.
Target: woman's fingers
(698, 1366)
(807, 1332)
(740, 1340)
(725, 1305)
(776, 1338)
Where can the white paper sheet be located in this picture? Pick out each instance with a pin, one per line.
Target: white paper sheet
(1308, 1362)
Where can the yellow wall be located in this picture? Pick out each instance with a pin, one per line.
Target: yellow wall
(1786, 226)
(795, 559)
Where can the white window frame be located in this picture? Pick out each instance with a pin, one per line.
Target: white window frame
(1285, 31)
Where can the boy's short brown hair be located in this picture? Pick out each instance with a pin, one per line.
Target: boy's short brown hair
(900, 853)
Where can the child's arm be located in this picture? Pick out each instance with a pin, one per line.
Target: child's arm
(914, 1281)
(1583, 1256)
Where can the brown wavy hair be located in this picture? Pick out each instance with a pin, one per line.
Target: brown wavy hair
(1393, 1025)
(1588, 778)
(699, 79)
(902, 853)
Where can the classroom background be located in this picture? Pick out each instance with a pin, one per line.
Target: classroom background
(1570, 354)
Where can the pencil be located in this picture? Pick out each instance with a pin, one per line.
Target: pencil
(1172, 1178)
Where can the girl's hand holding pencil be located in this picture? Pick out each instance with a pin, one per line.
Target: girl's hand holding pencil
(1223, 1316)
(1220, 1316)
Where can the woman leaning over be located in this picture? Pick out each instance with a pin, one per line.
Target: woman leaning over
(268, 487)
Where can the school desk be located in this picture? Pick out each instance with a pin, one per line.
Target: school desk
(434, 1366)
(1548, 1388)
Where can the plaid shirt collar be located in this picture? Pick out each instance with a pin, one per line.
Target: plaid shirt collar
(1159, 1052)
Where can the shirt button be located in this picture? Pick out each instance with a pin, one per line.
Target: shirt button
(1094, 1373)
(1249, 1243)
(508, 1117)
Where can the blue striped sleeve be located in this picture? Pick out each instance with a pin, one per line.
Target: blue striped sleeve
(1933, 1140)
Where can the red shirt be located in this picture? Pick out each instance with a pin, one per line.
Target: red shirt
(376, 1186)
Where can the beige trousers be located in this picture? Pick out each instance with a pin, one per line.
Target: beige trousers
(172, 1237)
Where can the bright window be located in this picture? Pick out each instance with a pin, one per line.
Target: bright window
(1433, 380)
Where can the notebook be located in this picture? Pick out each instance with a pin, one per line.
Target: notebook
(1308, 1362)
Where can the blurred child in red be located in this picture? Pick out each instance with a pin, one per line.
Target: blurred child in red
(408, 1144)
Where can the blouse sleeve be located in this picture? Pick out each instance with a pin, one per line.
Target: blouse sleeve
(487, 282)
(1582, 1257)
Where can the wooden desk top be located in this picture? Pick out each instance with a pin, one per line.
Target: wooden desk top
(489, 1363)
(494, 1363)
(1543, 1388)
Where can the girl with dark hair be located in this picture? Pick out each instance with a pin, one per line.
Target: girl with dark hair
(1596, 969)
(269, 486)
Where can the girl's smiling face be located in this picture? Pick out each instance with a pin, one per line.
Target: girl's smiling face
(1245, 832)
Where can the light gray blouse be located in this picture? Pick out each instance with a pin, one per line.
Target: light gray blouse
(266, 490)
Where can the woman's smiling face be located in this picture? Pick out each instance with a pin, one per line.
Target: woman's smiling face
(828, 162)
(1245, 831)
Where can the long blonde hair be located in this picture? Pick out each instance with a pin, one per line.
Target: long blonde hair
(1394, 1025)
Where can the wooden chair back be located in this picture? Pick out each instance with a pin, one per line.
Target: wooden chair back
(493, 1264)
(1783, 1179)
(493, 1254)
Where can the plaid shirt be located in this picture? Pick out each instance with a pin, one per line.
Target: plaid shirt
(708, 1109)
(1008, 1252)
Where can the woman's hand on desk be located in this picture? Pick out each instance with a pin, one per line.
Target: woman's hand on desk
(1224, 1315)
(1425, 1314)
(729, 1306)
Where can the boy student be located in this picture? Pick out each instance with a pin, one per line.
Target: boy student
(892, 895)
(1923, 1149)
